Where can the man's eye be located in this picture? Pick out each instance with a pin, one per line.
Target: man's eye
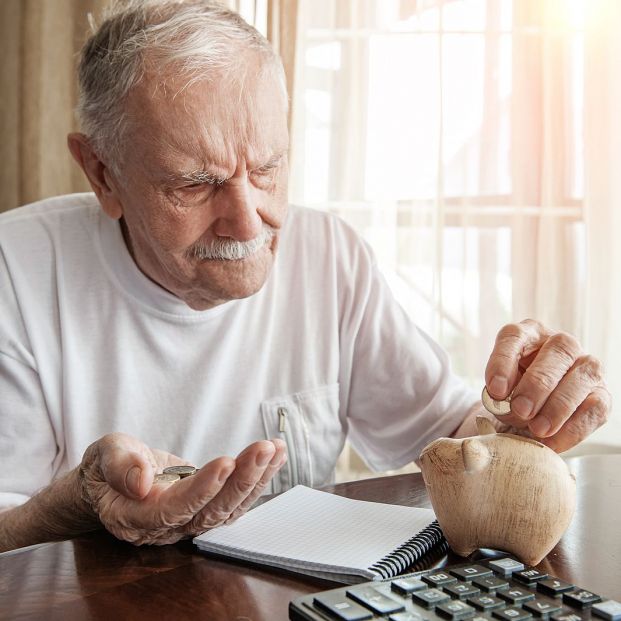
(202, 186)
(266, 170)
(264, 176)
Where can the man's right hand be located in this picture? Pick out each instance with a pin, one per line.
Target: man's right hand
(116, 480)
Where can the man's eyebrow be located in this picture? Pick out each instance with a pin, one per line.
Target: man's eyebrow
(202, 176)
(274, 160)
(277, 157)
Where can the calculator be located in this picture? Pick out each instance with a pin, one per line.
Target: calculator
(502, 589)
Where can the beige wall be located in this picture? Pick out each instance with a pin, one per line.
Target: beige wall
(39, 40)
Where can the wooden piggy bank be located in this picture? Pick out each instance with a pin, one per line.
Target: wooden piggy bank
(499, 491)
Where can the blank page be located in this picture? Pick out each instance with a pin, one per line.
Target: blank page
(318, 528)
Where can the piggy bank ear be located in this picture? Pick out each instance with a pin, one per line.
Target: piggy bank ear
(485, 426)
(475, 454)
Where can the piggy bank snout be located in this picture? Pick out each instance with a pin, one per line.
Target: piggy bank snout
(441, 457)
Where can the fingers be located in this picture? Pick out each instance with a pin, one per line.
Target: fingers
(254, 467)
(185, 498)
(591, 414)
(551, 371)
(165, 508)
(123, 462)
(513, 343)
(275, 464)
(564, 398)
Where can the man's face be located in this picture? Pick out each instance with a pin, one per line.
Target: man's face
(204, 172)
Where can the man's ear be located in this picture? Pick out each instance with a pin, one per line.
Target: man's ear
(97, 174)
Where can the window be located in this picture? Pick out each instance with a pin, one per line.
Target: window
(449, 133)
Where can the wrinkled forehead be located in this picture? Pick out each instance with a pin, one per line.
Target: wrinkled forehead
(218, 119)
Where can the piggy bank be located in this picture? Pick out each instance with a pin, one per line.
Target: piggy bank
(500, 491)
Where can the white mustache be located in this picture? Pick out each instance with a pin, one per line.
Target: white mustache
(226, 249)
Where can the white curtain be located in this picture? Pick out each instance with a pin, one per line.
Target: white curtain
(602, 197)
(473, 143)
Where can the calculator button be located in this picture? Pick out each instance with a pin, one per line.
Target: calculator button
(470, 572)
(512, 614)
(461, 590)
(581, 598)
(404, 586)
(609, 609)
(374, 600)
(405, 616)
(342, 608)
(455, 610)
(516, 595)
(485, 602)
(542, 608)
(505, 566)
(430, 597)
(529, 575)
(570, 616)
(490, 584)
(439, 578)
(553, 586)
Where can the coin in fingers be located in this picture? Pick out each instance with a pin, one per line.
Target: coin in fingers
(181, 471)
(495, 406)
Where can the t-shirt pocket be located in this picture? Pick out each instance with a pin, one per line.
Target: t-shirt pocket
(308, 422)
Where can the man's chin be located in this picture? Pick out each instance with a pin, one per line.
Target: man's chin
(222, 281)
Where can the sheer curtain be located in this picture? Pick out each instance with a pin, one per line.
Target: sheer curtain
(473, 143)
(603, 195)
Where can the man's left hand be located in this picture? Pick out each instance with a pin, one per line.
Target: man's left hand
(557, 391)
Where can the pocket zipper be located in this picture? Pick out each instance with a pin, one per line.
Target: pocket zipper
(284, 428)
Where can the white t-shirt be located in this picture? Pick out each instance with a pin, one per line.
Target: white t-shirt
(89, 346)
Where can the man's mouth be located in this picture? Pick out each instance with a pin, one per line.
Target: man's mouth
(227, 249)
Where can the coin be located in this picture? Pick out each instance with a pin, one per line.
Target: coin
(182, 471)
(498, 408)
(166, 477)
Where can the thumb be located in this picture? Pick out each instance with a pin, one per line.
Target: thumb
(124, 464)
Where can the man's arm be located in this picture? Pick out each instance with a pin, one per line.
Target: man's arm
(56, 512)
(27, 451)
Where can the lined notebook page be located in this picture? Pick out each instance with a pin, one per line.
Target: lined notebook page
(306, 528)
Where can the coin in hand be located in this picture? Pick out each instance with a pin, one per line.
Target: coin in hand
(498, 408)
(166, 478)
(181, 471)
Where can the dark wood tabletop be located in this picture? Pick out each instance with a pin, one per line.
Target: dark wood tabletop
(98, 577)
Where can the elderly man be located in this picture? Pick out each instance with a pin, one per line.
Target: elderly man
(184, 312)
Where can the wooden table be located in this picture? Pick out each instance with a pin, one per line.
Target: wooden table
(98, 577)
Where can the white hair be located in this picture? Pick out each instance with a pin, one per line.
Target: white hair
(196, 39)
(227, 249)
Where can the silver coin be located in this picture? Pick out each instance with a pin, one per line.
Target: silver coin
(182, 471)
(498, 408)
(166, 477)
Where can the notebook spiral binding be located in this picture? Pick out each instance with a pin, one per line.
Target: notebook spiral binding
(410, 552)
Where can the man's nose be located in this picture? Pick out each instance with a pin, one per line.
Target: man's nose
(238, 217)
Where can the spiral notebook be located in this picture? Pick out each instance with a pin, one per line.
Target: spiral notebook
(320, 534)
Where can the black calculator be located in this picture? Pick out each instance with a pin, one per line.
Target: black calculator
(502, 589)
